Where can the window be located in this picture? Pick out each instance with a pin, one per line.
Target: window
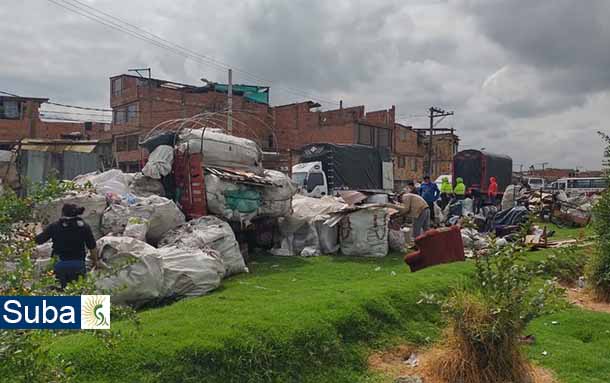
(313, 180)
(383, 138)
(579, 184)
(414, 164)
(10, 110)
(117, 86)
(132, 112)
(401, 162)
(127, 143)
(403, 134)
(120, 116)
(365, 135)
(88, 125)
(599, 183)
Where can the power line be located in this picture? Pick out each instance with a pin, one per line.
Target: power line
(79, 107)
(139, 33)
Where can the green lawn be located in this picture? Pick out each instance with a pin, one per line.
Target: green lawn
(311, 320)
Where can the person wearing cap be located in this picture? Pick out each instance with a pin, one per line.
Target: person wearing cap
(430, 193)
(416, 208)
(70, 235)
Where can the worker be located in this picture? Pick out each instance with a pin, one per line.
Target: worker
(70, 235)
(446, 192)
(416, 208)
(429, 192)
(460, 189)
(492, 190)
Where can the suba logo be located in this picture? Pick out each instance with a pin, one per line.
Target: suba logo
(55, 312)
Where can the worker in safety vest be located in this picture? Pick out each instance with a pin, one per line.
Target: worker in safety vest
(460, 189)
(70, 235)
(446, 192)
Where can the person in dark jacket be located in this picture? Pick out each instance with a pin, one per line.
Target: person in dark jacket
(70, 235)
(429, 192)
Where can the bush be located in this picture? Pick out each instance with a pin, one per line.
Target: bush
(566, 264)
(485, 321)
(23, 353)
(598, 267)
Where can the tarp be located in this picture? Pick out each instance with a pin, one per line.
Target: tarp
(351, 166)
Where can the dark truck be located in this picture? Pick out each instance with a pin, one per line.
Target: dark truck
(475, 167)
(324, 169)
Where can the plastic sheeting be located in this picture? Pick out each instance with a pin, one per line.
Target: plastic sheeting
(112, 181)
(162, 214)
(139, 278)
(245, 205)
(209, 232)
(159, 162)
(277, 200)
(190, 272)
(94, 205)
(223, 150)
(364, 233)
(304, 232)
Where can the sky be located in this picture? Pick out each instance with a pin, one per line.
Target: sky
(530, 79)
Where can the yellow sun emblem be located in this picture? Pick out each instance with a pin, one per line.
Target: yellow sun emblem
(92, 312)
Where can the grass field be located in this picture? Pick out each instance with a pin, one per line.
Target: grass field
(313, 320)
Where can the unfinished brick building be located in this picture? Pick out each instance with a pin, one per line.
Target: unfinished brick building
(20, 118)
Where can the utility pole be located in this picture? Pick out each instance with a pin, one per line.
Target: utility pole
(230, 104)
(434, 113)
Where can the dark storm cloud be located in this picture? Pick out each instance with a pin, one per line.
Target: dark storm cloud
(520, 75)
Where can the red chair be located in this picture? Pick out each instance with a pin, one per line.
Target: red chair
(436, 246)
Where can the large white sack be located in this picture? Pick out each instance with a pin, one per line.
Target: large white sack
(209, 231)
(277, 200)
(223, 150)
(190, 272)
(364, 233)
(94, 205)
(159, 162)
(139, 276)
(216, 190)
(111, 181)
(161, 213)
(143, 186)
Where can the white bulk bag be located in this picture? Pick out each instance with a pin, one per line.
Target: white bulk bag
(190, 272)
(212, 232)
(162, 214)
(364, 233)
(277, 200)
(94, 204)
(139, 278)
(111, 181)
(143, 186)
(223, 150)
(159, 162)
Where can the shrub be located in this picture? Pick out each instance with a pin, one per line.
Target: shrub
(598, 267)
(566, 264)
(486, 319)
(23, 353)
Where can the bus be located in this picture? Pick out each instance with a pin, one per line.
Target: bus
(588, 186)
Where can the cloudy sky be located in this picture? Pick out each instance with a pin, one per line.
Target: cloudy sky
(527, 78)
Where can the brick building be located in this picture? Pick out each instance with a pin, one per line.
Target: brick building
(20, 118)
(139, 104)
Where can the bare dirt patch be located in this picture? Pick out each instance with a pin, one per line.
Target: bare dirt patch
(407, 360)
(583, 299)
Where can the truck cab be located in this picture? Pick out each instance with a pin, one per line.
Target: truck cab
(310, 179)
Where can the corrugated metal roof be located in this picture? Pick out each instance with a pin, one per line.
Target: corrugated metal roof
(59, 148)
